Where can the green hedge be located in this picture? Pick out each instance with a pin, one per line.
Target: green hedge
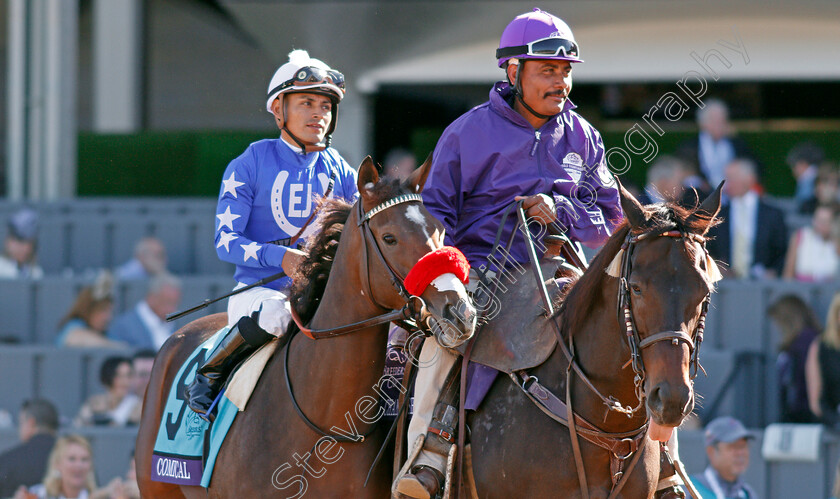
(158, 163)
(192, 163)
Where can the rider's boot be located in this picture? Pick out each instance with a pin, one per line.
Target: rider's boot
(426, 477)
(244, 338)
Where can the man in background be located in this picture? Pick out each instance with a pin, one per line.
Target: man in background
(145, 326)
(728, 450)
(26, 463)
(149, 260)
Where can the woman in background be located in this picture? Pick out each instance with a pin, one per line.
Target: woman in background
(69, 472)
(86, 322)
(116, 406)
(799, 328)
(822, 369)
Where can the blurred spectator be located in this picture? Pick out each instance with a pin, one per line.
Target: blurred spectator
(799, 327)
(803, 160)
(116, 406)
(149, 260)
(826, 188)
(20, 247)
(142, 364)
(70, 472)
(145, 326)
(26, 463)
(399, 163)
(812, 251)
(715, 146)
(822, 368)
(664, 181)
(86, 322)
(728, 450)
(752, 238)
(121, 488)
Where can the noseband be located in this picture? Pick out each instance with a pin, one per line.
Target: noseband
(625, 312)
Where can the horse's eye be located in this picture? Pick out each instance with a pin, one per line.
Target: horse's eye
(389, 239)
(636, 289)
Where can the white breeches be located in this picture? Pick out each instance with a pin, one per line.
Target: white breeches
(273, 305)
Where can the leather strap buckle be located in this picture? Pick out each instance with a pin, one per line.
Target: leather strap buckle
(441, 433)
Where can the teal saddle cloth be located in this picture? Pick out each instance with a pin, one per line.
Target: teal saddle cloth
(179, 454)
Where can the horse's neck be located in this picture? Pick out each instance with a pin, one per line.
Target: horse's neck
(601, 352)
(343, 369)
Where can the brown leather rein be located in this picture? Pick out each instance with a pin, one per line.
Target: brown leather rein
(622, 446)
(414, 308)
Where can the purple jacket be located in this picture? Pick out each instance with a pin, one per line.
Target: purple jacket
(491, 154)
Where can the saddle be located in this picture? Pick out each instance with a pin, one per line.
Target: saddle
(511, 342)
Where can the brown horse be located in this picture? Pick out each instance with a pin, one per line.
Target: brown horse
(655, 262)
(270, 450)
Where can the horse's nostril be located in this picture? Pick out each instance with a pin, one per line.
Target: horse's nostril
(654, 398)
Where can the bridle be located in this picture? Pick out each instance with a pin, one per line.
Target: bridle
(625, 313)
(414, 309)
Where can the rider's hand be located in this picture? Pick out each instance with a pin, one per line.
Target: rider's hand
(292, 260)
(538, 207)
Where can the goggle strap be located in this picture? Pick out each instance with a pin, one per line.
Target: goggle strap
(524, 50)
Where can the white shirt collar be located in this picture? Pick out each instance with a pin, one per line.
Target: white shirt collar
(161, 330)
(293, 147)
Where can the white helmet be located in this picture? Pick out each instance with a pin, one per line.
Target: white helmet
(303, 73)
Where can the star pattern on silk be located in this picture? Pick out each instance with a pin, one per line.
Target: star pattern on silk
(250, 250)
(226, 219)
(225, 238)
(231, 184)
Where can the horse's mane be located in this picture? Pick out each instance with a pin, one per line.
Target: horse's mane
(313, 273)
(587, 289)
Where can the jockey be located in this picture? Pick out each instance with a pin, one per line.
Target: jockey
(265, 208)
(527, 143)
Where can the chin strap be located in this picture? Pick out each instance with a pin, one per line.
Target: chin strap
(517, 92)
(307, 148)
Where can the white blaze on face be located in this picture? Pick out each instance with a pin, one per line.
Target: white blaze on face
(413, 213)
(449, 282)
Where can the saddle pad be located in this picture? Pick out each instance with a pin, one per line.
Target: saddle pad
(177, 456)
(244, 380)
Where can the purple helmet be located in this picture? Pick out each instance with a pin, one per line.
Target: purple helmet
(537, 35)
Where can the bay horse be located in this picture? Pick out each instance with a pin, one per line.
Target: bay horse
(353, 273)
(655, 263)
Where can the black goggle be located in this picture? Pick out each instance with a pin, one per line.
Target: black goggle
(545, 47)
(309, 75)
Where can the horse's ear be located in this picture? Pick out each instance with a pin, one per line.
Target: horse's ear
(417, 179)
(708, 208)
(632, 208)
(368, 177)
